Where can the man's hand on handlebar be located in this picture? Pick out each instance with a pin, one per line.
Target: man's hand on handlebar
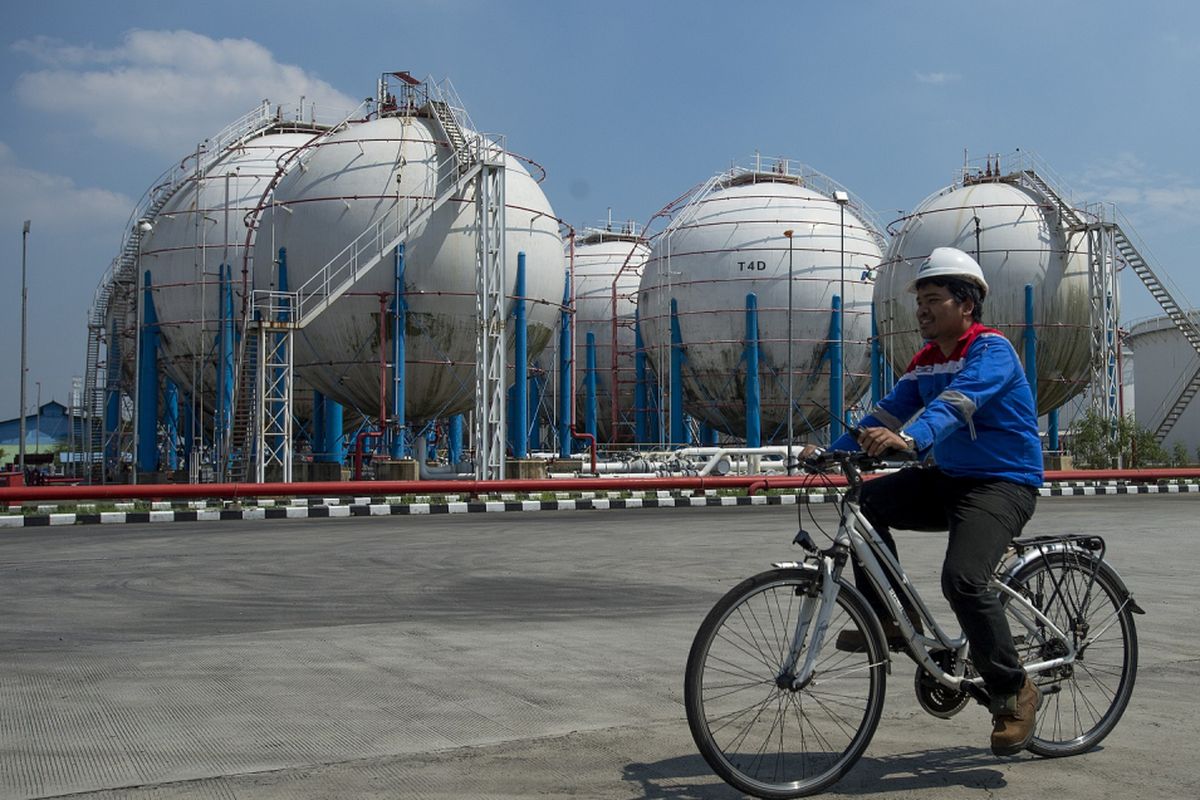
(880, 441)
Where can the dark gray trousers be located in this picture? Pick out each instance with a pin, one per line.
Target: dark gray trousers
(983, 515)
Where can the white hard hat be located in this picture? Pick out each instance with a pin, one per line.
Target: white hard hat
(950, 262)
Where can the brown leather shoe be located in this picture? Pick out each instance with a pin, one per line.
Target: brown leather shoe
(1013, 718)
(852, 640)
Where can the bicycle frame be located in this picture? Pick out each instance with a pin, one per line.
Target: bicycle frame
(875, 558)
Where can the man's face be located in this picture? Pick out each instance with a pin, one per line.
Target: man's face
(939, 315)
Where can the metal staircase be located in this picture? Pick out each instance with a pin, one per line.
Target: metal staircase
(1183, 322)
(115, 299)
(474, 157)
(1109, 241)
(454, 134)
(245, 409)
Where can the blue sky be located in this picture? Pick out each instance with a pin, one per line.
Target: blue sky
(626, 105)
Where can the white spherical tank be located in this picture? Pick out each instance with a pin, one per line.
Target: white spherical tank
(1018, 240)
(357, 178)
(608, 269)
(201, 226)
(730, 244)
(1163, 363)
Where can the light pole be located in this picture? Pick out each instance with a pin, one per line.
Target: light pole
(38, 424)
(842, 198)
(24, 298)
(790, 403)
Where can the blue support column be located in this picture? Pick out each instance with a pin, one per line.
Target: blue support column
(537, 388)
(224, 416)
(112, 399)
(454, 445)
(520, 367)
(190, 430)
(147, 418)
(708, 435)
(876, 361)
(836, 424)
(1052, 430)
(1030, 344)
(678, 426)
(335, 448)
(753, 393)
(566, 392)
(171, 423)
(399, 447)
(641, 433)
(589, 382)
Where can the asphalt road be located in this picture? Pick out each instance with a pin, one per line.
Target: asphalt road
(493, 655)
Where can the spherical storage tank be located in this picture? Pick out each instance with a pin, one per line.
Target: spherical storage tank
(608, 268)
(730, 243)
(201, 226)
(1163, 363)
(388, 166)
(1017, 239)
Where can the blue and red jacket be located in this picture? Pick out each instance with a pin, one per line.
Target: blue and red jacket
(978, 418)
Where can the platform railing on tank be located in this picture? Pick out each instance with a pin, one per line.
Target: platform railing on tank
(367, 249)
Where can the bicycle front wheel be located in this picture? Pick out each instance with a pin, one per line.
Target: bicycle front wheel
(1082, 701)
(758, 733)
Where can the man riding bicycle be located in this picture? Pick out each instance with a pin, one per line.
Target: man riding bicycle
(979, 422)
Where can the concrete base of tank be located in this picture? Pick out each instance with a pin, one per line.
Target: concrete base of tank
(402, 470)
(310, 472)
(525, 469)
(1057, 461)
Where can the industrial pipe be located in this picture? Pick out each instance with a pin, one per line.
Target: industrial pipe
(752, 483)
(358, 451)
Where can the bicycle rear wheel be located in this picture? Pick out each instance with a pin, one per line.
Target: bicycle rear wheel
(753, 729)
(1082, 701)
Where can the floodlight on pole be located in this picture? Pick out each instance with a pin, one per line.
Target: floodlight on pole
(790, 404)
(842, 198)
(24, 301)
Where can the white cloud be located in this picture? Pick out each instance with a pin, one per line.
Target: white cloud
(936, 78)
(57, 204)
(165, 90)
(1140, 190)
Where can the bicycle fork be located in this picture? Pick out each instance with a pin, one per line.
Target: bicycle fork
(812, 624)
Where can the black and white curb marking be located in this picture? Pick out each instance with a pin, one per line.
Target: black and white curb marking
(377, 507)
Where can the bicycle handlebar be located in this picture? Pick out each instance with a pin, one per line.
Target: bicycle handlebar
(854, 460)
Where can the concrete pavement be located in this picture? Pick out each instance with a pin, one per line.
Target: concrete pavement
(498, 656)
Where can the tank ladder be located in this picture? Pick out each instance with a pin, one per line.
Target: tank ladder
(1108, 240)
(474, 158)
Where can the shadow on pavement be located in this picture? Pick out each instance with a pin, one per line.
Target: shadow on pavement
(675, 778)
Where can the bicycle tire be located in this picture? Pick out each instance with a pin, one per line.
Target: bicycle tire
(774, 742)
(1083, 701)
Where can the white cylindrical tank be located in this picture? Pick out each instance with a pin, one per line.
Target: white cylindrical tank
(608, 269)
(730, 243)
(201, 226)
(355, 179)
(1018, 240)
(1164, 362)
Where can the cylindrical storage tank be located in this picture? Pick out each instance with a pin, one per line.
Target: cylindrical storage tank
(355, 179)
(201, 226)
(730, 243)
(1017, 238)
(1163, 363)
(608, 269)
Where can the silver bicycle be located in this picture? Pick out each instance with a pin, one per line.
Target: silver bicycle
(777, 711)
